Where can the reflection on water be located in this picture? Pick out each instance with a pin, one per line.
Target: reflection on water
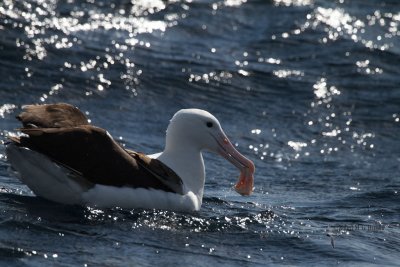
(307, 89)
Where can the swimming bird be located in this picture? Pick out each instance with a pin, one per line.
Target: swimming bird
(63, 158)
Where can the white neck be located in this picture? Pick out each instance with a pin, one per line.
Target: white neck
(187, 161)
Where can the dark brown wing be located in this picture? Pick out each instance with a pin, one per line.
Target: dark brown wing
(51, 116)
(92, 152)
(163, 173)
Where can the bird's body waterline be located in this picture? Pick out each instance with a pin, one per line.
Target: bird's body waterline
(67, 160)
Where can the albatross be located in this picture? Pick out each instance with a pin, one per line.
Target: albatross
(63, 158)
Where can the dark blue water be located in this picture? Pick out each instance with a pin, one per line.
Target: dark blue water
(309, 90)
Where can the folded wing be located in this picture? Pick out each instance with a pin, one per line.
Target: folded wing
(62, 133)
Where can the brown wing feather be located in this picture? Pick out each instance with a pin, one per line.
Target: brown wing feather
(51, 116)
(163, 173)
(92, 152)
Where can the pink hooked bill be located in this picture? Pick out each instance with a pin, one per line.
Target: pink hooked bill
(245, 184)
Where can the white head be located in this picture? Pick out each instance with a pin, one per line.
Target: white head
(198, 129)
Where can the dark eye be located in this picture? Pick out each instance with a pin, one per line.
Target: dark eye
(209, 124)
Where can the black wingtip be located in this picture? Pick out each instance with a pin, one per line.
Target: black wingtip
(11, 140)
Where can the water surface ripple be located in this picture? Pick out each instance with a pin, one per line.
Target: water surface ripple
(308, 89)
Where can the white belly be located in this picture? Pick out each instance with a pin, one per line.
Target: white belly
(53, 182)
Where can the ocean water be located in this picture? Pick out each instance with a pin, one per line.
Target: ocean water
(307, 89)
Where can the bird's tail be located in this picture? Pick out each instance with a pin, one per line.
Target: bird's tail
(44, 177)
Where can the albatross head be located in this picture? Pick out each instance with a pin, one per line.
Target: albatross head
(197, 129)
